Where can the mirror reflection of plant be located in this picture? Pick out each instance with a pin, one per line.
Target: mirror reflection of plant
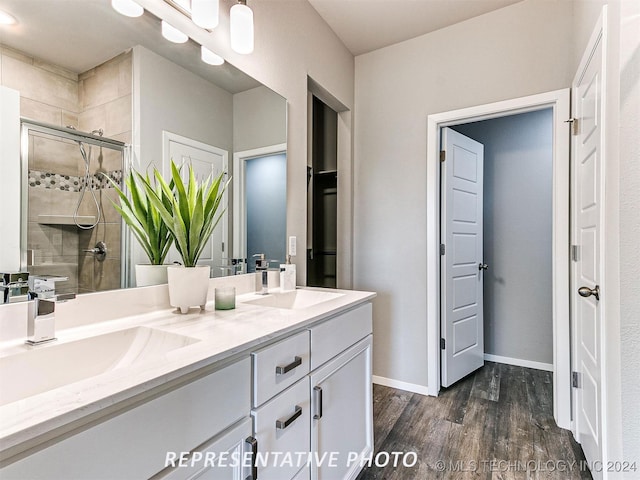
(143, 217)
(193, 213)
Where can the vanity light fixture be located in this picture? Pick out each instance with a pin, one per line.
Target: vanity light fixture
(205, 13)
(128, 8)
(209, 57)
(172, 34)
(7, 19)
(241, 28)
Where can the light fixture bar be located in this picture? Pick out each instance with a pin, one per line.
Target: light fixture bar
(242, 35)
(172, 34)
(128, 8)
(205, 13)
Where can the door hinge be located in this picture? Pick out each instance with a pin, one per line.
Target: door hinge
(574, 125)
(443, 344)
(575, 253)
(443, 155)
(576, 380)
(442, 249)
(223, 246)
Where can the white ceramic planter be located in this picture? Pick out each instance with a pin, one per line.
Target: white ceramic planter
(147, 275)
(188, 286)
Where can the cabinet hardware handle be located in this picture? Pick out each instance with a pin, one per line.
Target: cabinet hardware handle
(282, 424)
(297, 361)
(253, 444)
(317, 392)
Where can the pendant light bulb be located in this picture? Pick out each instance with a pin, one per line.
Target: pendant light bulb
(241, 28)
(172, 34)
(209, 57)
(205, 13)
(128, 8)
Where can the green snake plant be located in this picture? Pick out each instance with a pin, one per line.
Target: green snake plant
(192, 214)
(143, 217)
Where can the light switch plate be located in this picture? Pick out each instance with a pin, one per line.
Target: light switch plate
(292, 246)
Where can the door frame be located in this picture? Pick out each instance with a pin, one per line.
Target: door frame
(559, 102)
(239, 201)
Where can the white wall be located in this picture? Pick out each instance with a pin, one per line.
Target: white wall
(259, 119)
(630, 226)
(292, 42)
(516, 51)
(10, 179)
(172, 98)
(518, 179)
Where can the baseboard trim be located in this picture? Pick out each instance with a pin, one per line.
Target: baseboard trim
(409, 387)
(519, 362)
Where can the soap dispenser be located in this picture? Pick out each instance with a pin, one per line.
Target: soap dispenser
(288, 276)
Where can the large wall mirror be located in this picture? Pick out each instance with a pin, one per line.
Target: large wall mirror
(100, 93)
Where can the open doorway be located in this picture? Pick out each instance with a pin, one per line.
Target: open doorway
(558, 103)
(496, 223)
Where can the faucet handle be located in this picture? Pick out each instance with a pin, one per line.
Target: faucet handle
(261, 262)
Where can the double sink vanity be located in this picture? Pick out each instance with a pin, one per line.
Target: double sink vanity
(278, 388)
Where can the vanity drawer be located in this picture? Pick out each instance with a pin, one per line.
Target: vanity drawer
(284, 425)
(336, 335)
(134, 444)
(279, 366)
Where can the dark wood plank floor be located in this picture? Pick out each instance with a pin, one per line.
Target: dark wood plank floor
(496, 424)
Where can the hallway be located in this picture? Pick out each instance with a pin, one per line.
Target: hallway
(494, 424)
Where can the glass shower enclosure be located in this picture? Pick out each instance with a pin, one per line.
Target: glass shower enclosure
(70, 228)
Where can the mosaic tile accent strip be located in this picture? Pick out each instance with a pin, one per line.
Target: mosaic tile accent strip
(71, 183)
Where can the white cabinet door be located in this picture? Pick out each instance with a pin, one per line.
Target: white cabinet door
(341, 409)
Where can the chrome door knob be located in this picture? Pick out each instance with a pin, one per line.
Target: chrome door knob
(587, 292)
(483, 266)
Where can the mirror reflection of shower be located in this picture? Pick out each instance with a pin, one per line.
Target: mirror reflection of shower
(73, 230)
(86, 184)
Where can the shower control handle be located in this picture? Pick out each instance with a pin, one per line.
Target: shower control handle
(99, 251)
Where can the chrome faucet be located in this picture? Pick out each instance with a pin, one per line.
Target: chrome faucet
(41, 326)
(262, 277)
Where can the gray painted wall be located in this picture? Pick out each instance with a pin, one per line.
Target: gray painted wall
(481, 60)
(259, 119)
(517, 233)
(266, 187)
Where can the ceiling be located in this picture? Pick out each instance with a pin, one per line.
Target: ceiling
(366, 25)
(81, 34)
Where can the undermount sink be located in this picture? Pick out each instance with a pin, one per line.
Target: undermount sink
(47, 367)
(295, 299)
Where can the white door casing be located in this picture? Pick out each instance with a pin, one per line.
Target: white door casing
(461, 234)
(207, 160)
(559, 101)
(587, 192)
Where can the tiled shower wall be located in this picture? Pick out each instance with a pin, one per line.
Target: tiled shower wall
(98, 98)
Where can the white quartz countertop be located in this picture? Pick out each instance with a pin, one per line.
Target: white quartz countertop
(219, 334)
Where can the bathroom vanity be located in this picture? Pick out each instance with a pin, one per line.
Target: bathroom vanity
(279, 388)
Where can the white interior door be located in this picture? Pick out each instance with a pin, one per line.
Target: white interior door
(586, 211)
(461, 262)
(207, 160)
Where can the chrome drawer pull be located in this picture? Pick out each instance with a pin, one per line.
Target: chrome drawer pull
(253, 445)
(317, 393)
(297, 361)
(282, 424)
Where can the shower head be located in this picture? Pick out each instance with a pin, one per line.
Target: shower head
(98, 132)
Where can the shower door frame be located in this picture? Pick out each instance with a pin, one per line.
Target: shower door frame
(27, 126)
